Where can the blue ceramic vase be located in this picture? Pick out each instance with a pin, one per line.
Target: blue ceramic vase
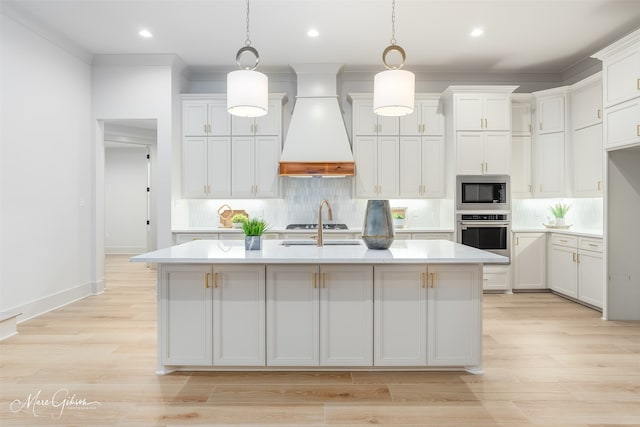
(377, 231)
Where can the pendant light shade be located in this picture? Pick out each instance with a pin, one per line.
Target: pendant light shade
(247, 89)
(247, 93)
(394, 89)
(394, 93)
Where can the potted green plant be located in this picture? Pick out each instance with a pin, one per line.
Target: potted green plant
(253, 229)
(559, 210)
(237, 220)
(399, 219)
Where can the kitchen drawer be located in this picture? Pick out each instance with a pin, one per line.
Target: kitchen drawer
(231, 236)
(270, 236)
(564, 240)
(591, 244)
(431, 236)
(179, 238)
(496, 278)
(402, 236)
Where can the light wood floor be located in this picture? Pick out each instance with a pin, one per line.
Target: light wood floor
(547, 362)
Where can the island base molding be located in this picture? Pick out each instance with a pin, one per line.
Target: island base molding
(167, 370)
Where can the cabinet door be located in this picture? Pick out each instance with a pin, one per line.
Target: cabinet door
(411, 166)
(219, 118)
(366, 163)
(411, 124)
(194, 118)
(521, 118)
(346, 315)
(550, 167)
(400, 315)
(521, 166)
(185, 315)
(194, 167)
(242, 166)
(388, 164)
(551, 114)
(238, 315)
(219, 166)
(497, 153)
(242, 126)
(469, 112)
(433, 167)
(454, 315)
(293, 315)
(621, 80)
(497, 112)
(388, 125)
(563, 273)
(622, 124)
(365, 121)
(591, 278)
(270, 123)
(469, 153)
(587, 161)
(267, 157)
(586, 105)
(529, 261)
(432, 119)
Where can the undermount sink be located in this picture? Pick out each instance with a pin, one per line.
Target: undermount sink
(326, 243)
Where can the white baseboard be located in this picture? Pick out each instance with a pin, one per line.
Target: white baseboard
(8, 324)
(124, 250)
(97, 287)
(51, 302)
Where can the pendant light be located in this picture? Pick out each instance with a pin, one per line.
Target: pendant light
(393, 89)
(247, 89)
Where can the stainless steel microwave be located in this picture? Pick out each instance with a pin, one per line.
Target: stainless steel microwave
(483, 192)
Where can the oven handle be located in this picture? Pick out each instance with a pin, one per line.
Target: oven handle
(484, 224)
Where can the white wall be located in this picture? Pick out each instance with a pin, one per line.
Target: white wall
(45, 173)
(125, 183)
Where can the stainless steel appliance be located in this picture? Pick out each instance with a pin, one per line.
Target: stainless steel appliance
(315, 227)
(489, 232)
(485, 192)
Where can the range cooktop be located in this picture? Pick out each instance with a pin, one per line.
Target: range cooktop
(315, 227)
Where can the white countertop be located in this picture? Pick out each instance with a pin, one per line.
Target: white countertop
(273, 252)
(284, 230)
(575, 232)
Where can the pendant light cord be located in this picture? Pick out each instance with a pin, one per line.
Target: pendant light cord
(393, 22)
(247, 42)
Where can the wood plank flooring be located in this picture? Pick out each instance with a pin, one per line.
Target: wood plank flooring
(548, 362)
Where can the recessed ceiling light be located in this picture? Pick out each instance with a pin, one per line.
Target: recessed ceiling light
(477, 32)
(145, 33)
(313, 33)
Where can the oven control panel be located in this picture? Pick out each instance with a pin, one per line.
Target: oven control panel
(484, 217)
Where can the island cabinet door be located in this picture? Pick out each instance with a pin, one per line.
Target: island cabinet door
(238, 315)
(293, 294)
(346, 315)
(400, 314)
(185, 306)
(454, 310)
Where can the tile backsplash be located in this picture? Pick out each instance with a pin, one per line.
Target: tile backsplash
(301, 198)
(585, 214)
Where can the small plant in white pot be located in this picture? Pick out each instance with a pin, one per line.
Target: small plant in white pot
(253, 229)
(559, 210)
(399, 220)
(238, 220)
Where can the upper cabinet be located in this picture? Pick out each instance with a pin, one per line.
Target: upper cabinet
(550, 111)
(488, 111)
(521, 117)
(269, 124)
(427, 118)
(586, 102)
(366, 122)
(205, 117)
(621, 73)
(521, 130)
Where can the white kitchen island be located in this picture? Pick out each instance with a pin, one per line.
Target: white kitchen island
(415, 306)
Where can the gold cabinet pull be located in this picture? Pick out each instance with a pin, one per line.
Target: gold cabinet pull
(574, 256)
(486, 123)
(517, 241)
(215, 280)
(599, 185)
(481, 124)
(315, 280)
(540, 125)
(638, 84)
(599, 113)
(530, 128)
(424, 280)
(206, 280)
(205, 127)
(578, 258)
(529, 188)
(324, 280)
(208, 189)
(593, 245)
(638, 130)
(563, 240)
(433, 279)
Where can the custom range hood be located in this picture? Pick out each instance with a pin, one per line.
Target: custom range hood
(317, 143)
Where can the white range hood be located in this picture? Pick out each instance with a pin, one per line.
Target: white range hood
(317, 143)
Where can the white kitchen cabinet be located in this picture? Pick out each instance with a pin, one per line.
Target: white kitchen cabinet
(482, 111)
(551, 114)
(521, 118)
(238, 315)
(621, 71)
(521, 183)
(185, 302)
(206, 163)
(400, 315)
(586, 102)
(422, 170)
(591, 277)
(587, 161)
(549, 173)
(622, 125)
(366, 122)
(254, 167)
(496, 278)
(432, 236)
(529, 266)
(202, 117)
(454, 323)
(319, 315)
(426, 119)
(269, 124)
(483, 153)
(563, 274)
(377, 159)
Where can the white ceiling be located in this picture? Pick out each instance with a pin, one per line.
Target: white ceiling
(523, 36)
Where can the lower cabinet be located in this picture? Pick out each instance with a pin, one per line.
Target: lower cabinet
(319, 315)
(529, 265)
(428, 315)
(496, 278)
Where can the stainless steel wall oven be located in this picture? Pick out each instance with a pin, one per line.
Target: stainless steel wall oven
(486, 231)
